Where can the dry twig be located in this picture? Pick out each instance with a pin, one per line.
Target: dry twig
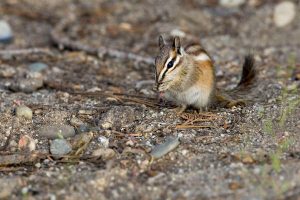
(16, 52)
(183, 126)
(16, 159)
(192, 118)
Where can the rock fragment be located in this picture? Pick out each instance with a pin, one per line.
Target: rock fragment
(164, 148)
(6, 34)
(26, 143)
(60, 147)
(24, 112)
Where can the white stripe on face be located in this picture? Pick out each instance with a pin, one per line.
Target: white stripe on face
(166, 68)
(202, 57)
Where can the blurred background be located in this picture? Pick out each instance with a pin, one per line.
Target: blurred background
(223, 26)
(228, 29)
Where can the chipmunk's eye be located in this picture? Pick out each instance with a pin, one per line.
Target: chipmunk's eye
(170, 64)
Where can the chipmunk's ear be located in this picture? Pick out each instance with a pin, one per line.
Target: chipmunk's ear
(161, 42)
(176, 44)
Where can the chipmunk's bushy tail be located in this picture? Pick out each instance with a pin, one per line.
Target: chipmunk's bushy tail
(249, 73)
(248, 79)
(242, 93)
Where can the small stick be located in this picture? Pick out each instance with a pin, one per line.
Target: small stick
(16, 52)
(135, 134)
(192, 126)
(14, 159)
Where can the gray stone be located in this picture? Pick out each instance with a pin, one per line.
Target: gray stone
(104, 142)
(164, 148)
(5, 32)
(60, 147)
(24, 112)
(284, 13)
(37, 67)
(56, 131)
(27, 85)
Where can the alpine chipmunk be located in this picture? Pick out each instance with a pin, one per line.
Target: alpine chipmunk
(186, 76)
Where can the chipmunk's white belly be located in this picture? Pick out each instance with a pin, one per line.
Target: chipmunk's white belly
(194, 96)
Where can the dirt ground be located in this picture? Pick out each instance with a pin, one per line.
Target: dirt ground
(99, 78)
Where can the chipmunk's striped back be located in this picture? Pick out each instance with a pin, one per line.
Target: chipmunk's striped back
(198, 52)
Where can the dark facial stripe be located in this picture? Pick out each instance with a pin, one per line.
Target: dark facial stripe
(164, 74)
(155, 70)
(173, 68)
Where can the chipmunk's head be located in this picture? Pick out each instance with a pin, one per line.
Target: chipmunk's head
(168, 63)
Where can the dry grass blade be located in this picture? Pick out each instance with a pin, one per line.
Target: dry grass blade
(10, 169)
(183, 126)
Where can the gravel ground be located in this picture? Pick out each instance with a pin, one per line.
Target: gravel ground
(68, 131)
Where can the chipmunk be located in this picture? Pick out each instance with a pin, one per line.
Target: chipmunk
(186, 76)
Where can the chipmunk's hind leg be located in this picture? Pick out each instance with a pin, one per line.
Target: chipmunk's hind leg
(228, 102)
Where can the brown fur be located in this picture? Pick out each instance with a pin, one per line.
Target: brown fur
(196, 72)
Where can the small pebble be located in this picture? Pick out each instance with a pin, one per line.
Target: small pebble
(60, 147)
(76, 122)
(6, 35)
(24, 190)
(38, 165)
(7, 71)
(104, 142)
(164, 148)
(104, 153)
(37, 67)
(24, 112)
(284, 13)
(27, 143)
(56, 131)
